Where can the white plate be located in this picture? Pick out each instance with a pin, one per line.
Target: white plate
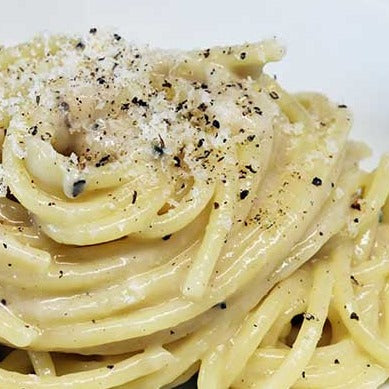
(336, 47)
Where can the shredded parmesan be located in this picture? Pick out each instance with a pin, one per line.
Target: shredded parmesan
(99, 99)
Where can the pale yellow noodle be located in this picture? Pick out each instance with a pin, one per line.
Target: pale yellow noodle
(169, 213)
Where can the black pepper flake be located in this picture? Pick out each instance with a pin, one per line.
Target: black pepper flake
(172, 332)
(352, 278)
(93, 30)
(250, 169)
(4, 301)
(33, 130)
(180, 105)
(5, 245)
(158, 149)
(202, 107)
(205, 155)
(250, 138)
(354, 316)
(110, 367)
(216, 123)
(78, 187)
(222, 305)
(139, 102)
(200, 142)
(161, 141)
(316, 181)
(101, 80)
(117, 37)
(46, 136)
(336, 361)
(258, 111)
(206, 53)
(102, 161)
(303, 374)
(166, 237)
(242, 56)
(166, 84)
(356, 205)
(356, 220)
(243, 194)
(177, 161)
(134, 197)
(80, 45)
(125, 106)
(60, 274)
(37, 99)
(64, 106)
(216, 205)
(274, 95)
(342, 106)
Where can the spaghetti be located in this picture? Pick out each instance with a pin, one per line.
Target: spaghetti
(166, 213)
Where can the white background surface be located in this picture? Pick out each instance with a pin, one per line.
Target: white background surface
(337, 47)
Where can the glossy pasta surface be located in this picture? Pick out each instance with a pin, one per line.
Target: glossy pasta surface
(164, 213)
